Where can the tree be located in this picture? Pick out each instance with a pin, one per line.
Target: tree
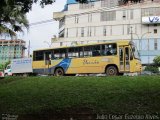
(12, 18)
(156, 60)
(13, 15)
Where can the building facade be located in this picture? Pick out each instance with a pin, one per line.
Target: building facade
(11, 49)
(106, 20)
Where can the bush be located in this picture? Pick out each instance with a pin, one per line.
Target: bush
(156, 60)
(153, 69)
(3, 66)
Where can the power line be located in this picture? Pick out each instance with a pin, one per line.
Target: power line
(41, 22)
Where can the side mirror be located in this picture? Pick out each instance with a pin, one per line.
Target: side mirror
(131, 57)
(133, 49)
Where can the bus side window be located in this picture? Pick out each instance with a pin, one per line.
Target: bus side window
(109, 49)
(60, 53)
(96, 53)
(87, 51)
(81, 52)
(96, 50)
(73, 53)
(38, 55)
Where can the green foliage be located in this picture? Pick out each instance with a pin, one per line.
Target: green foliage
(3, 66)
(7, 63)
(156, 60)
(151, 68)
(40, 95)
(12, 18)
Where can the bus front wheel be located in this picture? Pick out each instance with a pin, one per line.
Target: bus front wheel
(111, 71)
(59, 72)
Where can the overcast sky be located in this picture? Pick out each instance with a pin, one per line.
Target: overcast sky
(42, 32)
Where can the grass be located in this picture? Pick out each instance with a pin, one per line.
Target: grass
(41, 95)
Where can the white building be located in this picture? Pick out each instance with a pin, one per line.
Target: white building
(104, 20)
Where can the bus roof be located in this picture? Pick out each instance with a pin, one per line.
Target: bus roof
(119, 42)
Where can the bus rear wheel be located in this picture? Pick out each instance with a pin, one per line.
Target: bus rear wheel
(59, 72)
(111, 71)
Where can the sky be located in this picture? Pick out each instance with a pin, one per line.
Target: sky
(37, 34)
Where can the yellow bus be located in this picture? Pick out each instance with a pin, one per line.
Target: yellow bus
(112, 58)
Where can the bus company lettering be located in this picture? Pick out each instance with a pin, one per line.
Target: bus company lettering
(87, 62)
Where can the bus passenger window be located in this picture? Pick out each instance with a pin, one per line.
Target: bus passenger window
(96, 53)
(88, 51)
(96, 50)
(73, 52)
(109, 49)
(38, 55)
(60, 54)
(81, 53)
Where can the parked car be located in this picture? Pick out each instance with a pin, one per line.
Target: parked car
(1, 74)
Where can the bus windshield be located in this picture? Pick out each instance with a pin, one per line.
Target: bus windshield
(135, 52)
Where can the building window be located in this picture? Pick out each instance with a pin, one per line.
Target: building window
(111, 30)
(82, 32)
(86, 5)
(131, 14)
(108, 16)
(109, 3)
(154, 11)
(155, 25)
(76, 32)
(155, 44)
(61, 23)
(104, 31)
(61, 43)
(128, 29)
(89, 33)
(76, 19)
(67, 32)
(155, 31)
(90, 17)
(124, 15)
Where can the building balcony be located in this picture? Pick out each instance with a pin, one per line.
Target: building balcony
(58, 15)
(57, 39)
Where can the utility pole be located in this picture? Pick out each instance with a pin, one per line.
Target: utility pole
(131, 34)
(29, 49)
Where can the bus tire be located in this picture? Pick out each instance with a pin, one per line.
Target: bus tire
(59, 72)
(111, 71)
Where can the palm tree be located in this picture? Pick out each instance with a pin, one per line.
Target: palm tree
(12, 19)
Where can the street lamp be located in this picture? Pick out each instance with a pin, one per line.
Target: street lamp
(140, 43)
(49, 44)
(140, 38)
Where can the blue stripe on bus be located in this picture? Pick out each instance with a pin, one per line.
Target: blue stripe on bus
(65, 63)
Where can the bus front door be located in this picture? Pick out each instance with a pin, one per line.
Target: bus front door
(47, 61)
(124, 59)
